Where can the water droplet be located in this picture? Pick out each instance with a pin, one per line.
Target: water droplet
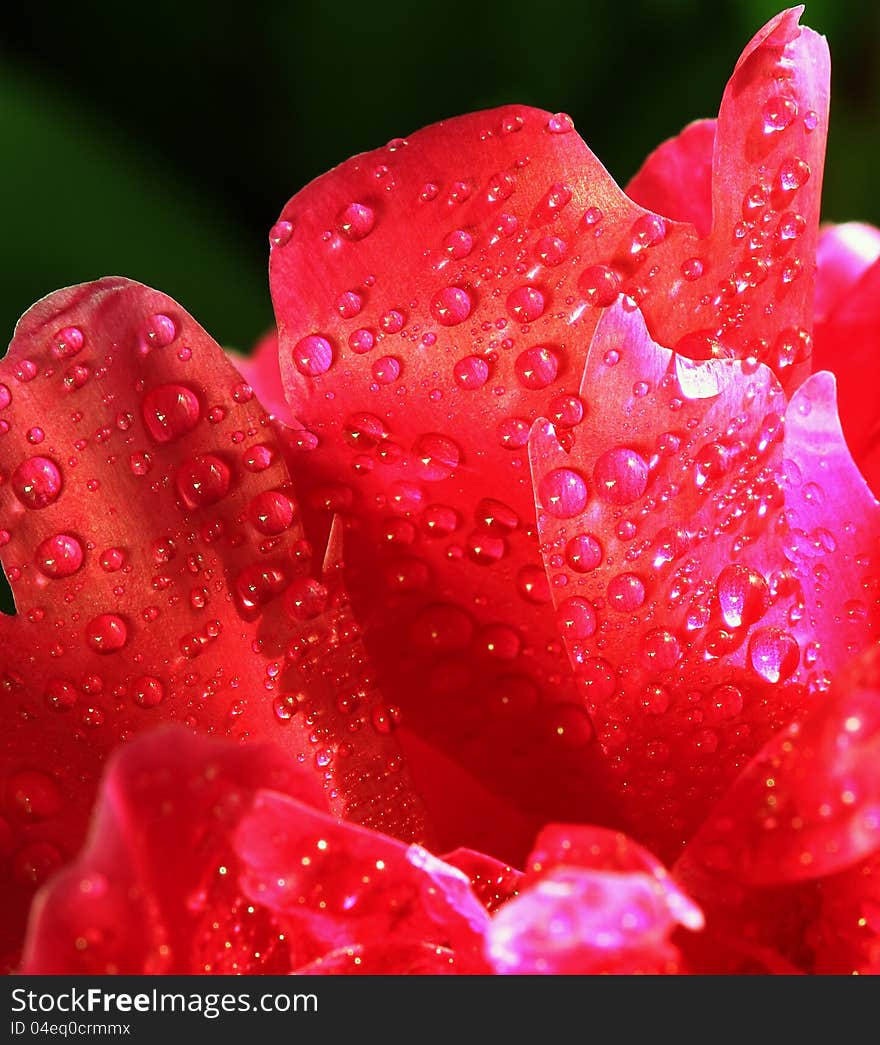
(551, 250)
(313, 355)
(459, 244)
(203, 481)
(271, 512)
(451, 306)
(349, 304)
(438, 456)
(442, 628)
(774, 654)
(280, 233)
(386, 370)
(560, 123)
(563, 493)
(356, 221)
(513, 433)
(537, 367)
(532, 584)
(661, 649)
(33, 795)
(439, 520)
(600, 285)
(526, 304)
(67, 343)
(60, 695)
(620, 476)
(778, 113)
(305, 599)
(471, 373)
(147, 691)
(583, 553)
(106, 633)
(160, 330)
(169, 412)
(626, 592)
(576, 618)
(743, 596)
(37, 482)
(566, 411)
(59, 556)
(569, 726)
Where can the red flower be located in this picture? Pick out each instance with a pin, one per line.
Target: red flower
(606, 545)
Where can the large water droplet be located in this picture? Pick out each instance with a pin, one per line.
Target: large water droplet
(37, 482)
(106, 633)
(537, 367)
(356, 221)
(169, 412)
(271, 512)
(743, 596)
(620, 476)
(313, 355)
(774, 654)
(438, 456)
(203, 481)
(451, 306)
(525, 304)
(576, 618)
(563, 493)
(59, 556)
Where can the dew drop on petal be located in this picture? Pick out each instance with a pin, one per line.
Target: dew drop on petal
(356, 221)
(773, 654)
(451, 306)
(169, 412)
(313, 355)
(563, 493)
(106, 633)
(620, 476)
(37, 482)
(203, 481)
(59, 556)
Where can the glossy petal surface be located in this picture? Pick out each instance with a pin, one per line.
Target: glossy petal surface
(150, 530)
(733, 550)
(436, 296)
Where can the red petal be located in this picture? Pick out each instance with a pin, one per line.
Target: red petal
(149, 528)
(843, 254)
(122, 906)
(434, 297)
(806, 810)
(728, 563)
(594, 902)
(676, 179)
(848, 344)
(333, 885)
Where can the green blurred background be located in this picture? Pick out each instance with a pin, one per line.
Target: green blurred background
(161, 141)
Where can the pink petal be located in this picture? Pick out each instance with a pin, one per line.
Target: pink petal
(725, 585)
(843, 254)
(848, 344)
(594, 902)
